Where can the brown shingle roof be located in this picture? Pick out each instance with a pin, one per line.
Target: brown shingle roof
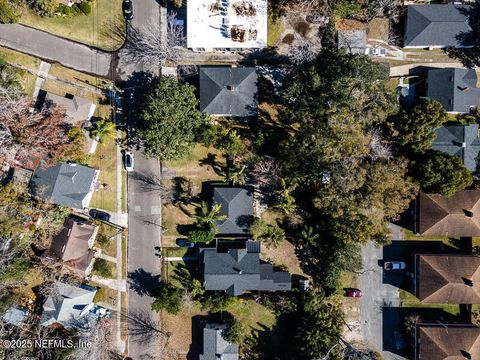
(452, 279)
(456, 215)
(72, 245)
(447, 342)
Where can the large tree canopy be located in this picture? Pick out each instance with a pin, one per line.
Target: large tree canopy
(169, 120)
(415, 127)
(339, 110)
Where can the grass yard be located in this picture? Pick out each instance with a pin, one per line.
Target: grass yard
(409, 300)
(275, 31)
(378, 29)
(450, 241)
(104, 295)
(103, 28)
(78, 77)
(105, 269)
(108, 232)
(105, 159)
(19, 58)
(252, 315)
(197, 170)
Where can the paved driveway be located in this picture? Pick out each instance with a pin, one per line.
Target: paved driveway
(46, 46)
(379, 307)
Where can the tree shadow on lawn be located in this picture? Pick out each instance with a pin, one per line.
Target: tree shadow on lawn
(144, 283)
(211, 160)
(276, 343)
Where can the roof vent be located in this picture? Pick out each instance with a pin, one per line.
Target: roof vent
(467, 282)
(230, 87)
(468, 213)
(464, 88)
(239, 271)
(464, 144)
(466, 354)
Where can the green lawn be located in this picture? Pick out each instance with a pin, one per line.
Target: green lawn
(275, 30)
(252, 315)
(103, 28)
(104, 294)
(105, 159)
(450, 241)
(409, 300)
(110, 232)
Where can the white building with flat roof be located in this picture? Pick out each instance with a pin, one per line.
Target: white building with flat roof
(219, 25)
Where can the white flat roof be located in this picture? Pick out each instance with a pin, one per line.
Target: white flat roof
(216, 24)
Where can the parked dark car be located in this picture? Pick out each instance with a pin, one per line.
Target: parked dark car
(99, 215)
(127, 7)
(353, 293)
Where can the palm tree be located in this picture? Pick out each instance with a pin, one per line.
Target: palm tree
(208, 216)
(104, 129)
(236, 175)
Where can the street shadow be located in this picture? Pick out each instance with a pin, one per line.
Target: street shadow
(144, 283)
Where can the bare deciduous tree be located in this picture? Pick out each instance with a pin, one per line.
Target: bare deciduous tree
(380, 149)
(148, 46)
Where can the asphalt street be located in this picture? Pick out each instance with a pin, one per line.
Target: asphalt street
(49, 47)
(378, 299)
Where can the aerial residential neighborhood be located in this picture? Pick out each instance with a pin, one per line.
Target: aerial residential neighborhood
(239, 179)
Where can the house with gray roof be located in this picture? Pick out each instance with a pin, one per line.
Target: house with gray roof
(215, 346)
(16, 315)
(437, 26)
(66, 184)
(237, 205)
(461, 141)
(228, 91)
(354, 41)
(68, 305)
(456, 89)
(236, 267)
(77, 109)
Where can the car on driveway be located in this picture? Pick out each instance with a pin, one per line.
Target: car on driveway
(99, 215)
(127, 7)
(394, 265)
(185, 243)
(128, 161)
(353, 293)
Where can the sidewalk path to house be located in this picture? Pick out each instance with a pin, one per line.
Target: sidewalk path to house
(50, 47)
(111, 283)
(404, 70)
(107, 257)
(377, 297)
(179, 258)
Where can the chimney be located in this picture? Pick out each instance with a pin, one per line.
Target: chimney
(468, 213)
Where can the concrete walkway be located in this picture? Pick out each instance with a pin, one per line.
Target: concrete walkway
(107, 257)
(179, 258)
(120, 286)
(416, 68)
(56, 49)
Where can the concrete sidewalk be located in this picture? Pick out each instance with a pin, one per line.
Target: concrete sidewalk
(111, 283)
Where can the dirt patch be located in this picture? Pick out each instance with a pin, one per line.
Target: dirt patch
(378, 29)
(284, 255)
(348, 24)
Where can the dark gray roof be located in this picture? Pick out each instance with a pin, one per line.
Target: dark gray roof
(237, 204)
(239, 270)
(355, 41)
(67, 304)
(456, 89)
(228, 91)
(215, 345)
(437, 25)
(64, 184)
(461, 141)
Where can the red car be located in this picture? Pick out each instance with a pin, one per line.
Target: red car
(353, 293)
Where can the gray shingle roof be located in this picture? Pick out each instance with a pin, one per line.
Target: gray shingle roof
(215, 345)
(461, 141)
(15, 315)
(63, 184)
(355, 41)
(456, 89)
(77, 108)
(436, 25)
(239, 270)
(237, 204)
(228, 91)
(67, 304)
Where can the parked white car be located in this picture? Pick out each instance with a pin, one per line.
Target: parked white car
(128, 161)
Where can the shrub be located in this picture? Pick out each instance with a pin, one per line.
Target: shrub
(288, 39)
(216, 302)
(302, 28)
(235, 332)
(102, 268)
(8, 12)
(103, 240)
(203, 236)
(85, 7)
(15, 270)
(169, 299)
(47, 7)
